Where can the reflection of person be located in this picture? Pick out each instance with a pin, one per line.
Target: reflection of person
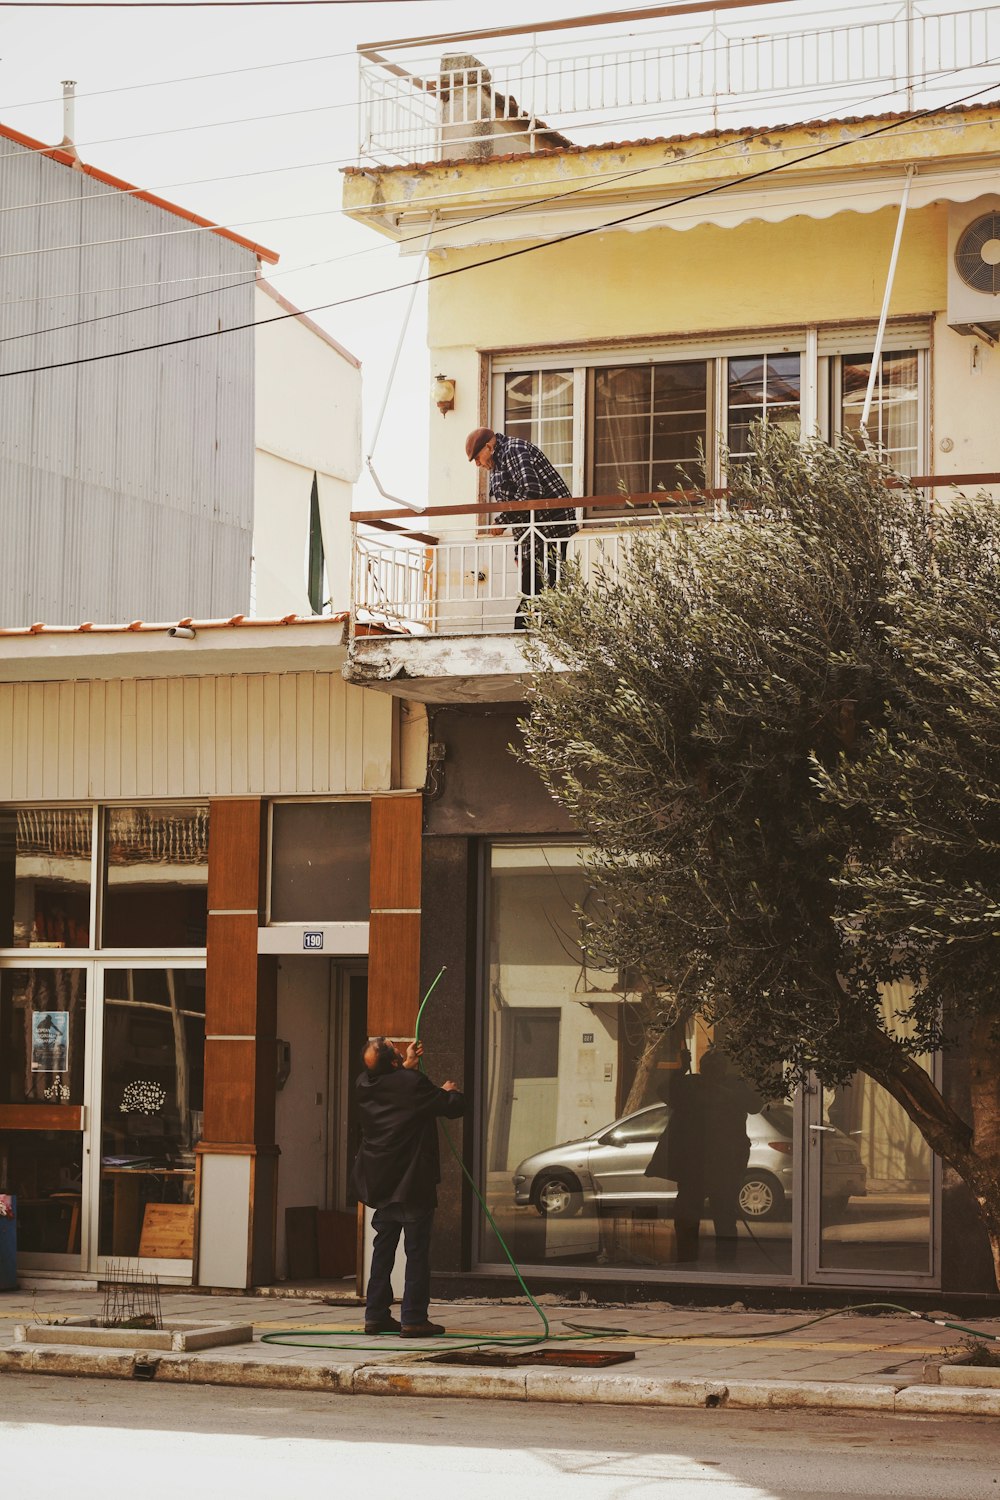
(519, 470)
(704, 1149)
(396, 1173)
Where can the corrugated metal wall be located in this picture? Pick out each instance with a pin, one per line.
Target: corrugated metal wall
(126, 486)
(271, 733)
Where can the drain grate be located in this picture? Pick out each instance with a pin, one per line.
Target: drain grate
(567, 1359)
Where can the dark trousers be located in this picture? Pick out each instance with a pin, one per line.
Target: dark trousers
(542, 553)
(416, 1232)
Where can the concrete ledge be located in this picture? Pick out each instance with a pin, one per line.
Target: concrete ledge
(622, 1390)
(436, 1380)
(949, 1400)
(984, 1376)
(828, 1394)
(181, 1335)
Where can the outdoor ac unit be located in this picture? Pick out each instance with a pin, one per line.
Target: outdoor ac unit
(974, 267)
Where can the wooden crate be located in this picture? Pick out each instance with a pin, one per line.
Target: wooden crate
(167, 1231)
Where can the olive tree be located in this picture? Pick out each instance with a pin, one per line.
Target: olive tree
(779, 728)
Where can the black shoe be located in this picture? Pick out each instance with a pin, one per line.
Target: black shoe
(422, 1331)
(388, 1324)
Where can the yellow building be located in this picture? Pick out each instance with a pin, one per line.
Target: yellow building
(627, 305)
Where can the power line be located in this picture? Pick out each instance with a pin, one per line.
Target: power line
(564, 239)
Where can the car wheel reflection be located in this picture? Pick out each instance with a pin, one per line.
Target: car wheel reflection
(761, 1197)
(557, 1195)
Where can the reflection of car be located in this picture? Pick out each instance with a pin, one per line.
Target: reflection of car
(608, 1167)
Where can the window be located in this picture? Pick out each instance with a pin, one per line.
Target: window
(155, 877)
(45, 877)
(538, 406)
(894, 423)
(640, 424)
(764, 388)
(320, 854)
(649, 421)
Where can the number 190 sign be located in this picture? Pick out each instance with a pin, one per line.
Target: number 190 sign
(312, 941)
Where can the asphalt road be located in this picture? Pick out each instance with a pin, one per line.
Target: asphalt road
(85, 1439)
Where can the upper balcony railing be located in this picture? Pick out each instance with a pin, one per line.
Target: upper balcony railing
(473, 581)
(665, 70)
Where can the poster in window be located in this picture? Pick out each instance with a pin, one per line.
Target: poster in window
(49, 1041)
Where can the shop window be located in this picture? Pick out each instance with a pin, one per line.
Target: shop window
(44, 1171)
(152, 1110)
(155, 877)
(601, 1149)
(43, 1019)
(45, 877)
(320, 857)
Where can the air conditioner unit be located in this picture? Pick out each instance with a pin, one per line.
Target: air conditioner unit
(974, 267)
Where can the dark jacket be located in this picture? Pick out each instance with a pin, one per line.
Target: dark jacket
(399, 1161)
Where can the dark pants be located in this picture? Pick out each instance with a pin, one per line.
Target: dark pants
(416, 1231)
(542, 553)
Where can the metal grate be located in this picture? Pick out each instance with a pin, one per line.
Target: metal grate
(131, 1298)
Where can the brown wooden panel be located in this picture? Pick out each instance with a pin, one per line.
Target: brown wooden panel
(235, 841)
(230, 1077)
(397, 825)
(40, 1117)
(393, 973)
(167, 1231)
(231, 976)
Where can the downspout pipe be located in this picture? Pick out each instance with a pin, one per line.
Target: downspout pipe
(418, 279)
(866, 410)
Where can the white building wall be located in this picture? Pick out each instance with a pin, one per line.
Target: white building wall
(308, 422)
(271, 733)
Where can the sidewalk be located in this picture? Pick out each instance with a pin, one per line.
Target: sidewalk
(712, 1357)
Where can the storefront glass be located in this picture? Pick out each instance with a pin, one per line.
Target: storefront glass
(155, 877)
(45, 877)
(611, 1141)
(320, 855)
(153, 1100)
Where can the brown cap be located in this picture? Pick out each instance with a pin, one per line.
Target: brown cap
(477, 440)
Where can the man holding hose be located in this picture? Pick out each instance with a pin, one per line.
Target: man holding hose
(396, 1173)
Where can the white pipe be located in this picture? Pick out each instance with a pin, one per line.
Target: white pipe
(866, 410)
(397, 499)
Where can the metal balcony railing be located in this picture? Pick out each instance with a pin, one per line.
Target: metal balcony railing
(469, 582)
(665, 70)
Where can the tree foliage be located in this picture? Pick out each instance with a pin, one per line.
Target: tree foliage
(778, 728)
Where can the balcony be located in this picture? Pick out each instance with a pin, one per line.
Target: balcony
(661, 70)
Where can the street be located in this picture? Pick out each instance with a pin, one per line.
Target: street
(90, 1438)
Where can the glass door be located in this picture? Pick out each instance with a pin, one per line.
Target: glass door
(46, 1025)
(150, 1084)
(872, 1183)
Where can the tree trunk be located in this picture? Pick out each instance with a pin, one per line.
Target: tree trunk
(973, 1151)
(644, 1071)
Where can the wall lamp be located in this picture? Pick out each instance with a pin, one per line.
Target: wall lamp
(182, 632)
(443, 394)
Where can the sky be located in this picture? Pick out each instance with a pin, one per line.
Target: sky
(141, 115)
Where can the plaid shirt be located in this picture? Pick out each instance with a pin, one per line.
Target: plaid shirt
(522, 472)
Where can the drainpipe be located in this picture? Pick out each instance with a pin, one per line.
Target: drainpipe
(866, 410)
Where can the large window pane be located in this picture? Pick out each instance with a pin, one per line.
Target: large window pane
(151, 1119)
(320, 855)
(762, 388)
(44, 1170)
(601, 1149)
(538, 406)
(45, 877)
(43, 1019)
(894, 422)
(649, 421)
(156, 877)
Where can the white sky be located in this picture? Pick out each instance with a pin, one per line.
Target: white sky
(116, 49)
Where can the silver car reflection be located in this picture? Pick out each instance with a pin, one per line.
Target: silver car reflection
(607, 1169)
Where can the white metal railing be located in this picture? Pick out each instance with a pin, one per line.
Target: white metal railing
(468, 582)
(486, 92)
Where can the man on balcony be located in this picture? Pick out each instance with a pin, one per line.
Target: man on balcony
(520, 471)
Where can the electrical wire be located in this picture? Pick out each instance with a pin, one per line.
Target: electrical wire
(506, 255)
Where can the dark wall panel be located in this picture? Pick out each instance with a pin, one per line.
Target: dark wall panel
(482, 787)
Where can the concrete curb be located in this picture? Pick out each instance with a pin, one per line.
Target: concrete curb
(567, 1386)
